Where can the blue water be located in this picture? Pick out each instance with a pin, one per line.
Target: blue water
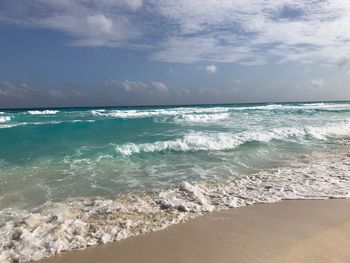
(61, 153)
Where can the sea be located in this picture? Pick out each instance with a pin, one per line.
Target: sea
(76, 177)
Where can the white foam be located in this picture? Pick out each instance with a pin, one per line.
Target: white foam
(263, 107)
(305, 106)
(202, 118)
(43, 112)
(12, 125)
(78, 223)
(5, 119)
(172, 112)
(227, 141)
(197, 114)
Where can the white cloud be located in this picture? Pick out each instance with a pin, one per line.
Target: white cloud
(211, 69)
(282, 30)
(159, 86)
(317, 83)
(138, 86)
(12, 91)
(89, 22)
(100, 23)
(9, 89)
(249, 33)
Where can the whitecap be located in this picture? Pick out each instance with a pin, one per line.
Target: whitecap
(202, 118)
(43, 112)
(304, 106)
(172, 112)
(199, 141)
(4, 119)
(12, 125)
(212, 113)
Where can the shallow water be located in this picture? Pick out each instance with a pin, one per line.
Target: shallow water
(70, 178)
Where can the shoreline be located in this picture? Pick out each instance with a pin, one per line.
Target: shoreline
(287, 231)
(80, 223)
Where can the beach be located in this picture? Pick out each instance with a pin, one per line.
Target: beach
(288, 231)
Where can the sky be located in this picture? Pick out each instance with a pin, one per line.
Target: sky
(152, 52)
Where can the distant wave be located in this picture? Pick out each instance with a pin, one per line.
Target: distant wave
(157, 112)
(197, 118)
(12, 125)
(190, 114)
(44, 112)
(4, 119)
(304, 106)
(227, 141)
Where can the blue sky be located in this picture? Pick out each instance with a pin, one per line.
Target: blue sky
(137, 52)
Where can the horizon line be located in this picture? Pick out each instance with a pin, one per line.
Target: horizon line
(169, 105)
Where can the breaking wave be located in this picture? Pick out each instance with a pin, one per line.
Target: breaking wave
(4, 119)
(44, 112)
(214, 113)
(172, 112)
(226, 141)
(78, 223)
(202, 117)
(305, 106)
(12, 125)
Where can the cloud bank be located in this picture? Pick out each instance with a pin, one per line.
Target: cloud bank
(248, 33)
(24, 95)
(138, 86)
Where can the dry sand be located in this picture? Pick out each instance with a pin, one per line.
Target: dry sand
(289, 231)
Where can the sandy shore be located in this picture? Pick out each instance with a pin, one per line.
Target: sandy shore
(289, 231)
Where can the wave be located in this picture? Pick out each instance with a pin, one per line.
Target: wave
(213, 113)
(304, 106)
(44, 112)
(228, 141)
(202, 117)
(82, 222)
(156, 113)
(12, 125)
(5, 119)
(7, 126)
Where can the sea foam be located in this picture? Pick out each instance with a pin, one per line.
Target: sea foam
(78, 223)
(172, 112)
(43, 112)
(4, 119)
(214, 114)
(305, 106)
(199, 118)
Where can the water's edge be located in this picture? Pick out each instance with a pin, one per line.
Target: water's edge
(79, 223)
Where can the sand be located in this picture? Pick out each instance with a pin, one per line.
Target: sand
(289, 231)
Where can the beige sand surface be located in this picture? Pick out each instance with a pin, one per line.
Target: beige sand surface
(289, 231)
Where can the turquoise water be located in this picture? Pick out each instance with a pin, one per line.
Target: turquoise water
(72, 178)
(61, 153)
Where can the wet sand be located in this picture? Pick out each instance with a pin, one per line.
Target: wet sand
(289, 231)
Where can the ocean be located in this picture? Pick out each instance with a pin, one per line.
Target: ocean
(75, 177)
